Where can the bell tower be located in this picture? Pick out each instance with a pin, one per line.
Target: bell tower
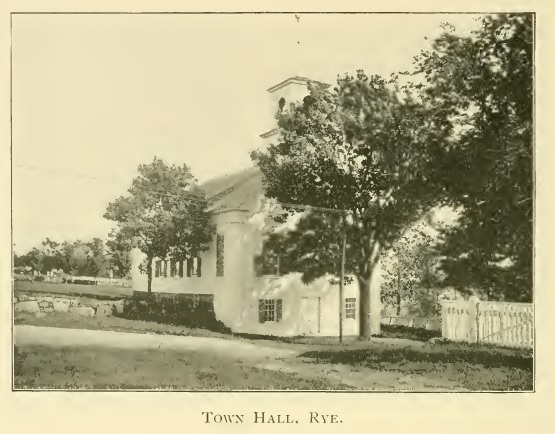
(293, 89)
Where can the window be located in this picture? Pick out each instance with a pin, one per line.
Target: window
(265, 265)
(157, 268)
(350, 308)
(172, 268)
(269, 310)
(180, 268)
(165, 268)
(194, 267)
(219, 255)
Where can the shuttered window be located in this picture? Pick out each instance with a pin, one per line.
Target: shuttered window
(180, 268)
(350, 308)
(172, 268)
(194, 267)
(165, 268)
(267, 265)
(270, 310)
(157, 268)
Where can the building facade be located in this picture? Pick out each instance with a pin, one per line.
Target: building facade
(246, 298)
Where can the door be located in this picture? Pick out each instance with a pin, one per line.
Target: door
(310, 315)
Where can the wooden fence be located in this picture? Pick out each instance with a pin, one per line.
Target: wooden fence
(501, 323)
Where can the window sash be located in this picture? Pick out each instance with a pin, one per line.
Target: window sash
(350, 308)
(270, 310)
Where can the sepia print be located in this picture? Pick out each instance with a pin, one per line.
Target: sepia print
(273, 201)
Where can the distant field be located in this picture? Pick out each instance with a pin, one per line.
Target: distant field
(74, 289)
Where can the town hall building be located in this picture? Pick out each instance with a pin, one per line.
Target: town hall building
(249, 298)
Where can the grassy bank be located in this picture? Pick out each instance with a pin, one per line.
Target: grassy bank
(93, 291)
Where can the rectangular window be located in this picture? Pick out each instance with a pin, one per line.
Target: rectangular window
(350, 308)
(180, 268)
(219, 255)
(157, 268)
(269, 310)
(165, 268)
(267, 265)
(172, 268)
(194, 267)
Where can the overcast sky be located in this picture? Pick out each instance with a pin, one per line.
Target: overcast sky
(94, 96)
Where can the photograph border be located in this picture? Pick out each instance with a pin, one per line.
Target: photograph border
(300, 12)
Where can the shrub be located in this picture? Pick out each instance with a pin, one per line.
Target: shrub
(185, 313)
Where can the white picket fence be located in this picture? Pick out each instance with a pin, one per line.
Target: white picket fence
(501, 323)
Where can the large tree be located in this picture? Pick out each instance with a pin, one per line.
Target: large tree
(164, 213)
(361, 147)
(483, 85)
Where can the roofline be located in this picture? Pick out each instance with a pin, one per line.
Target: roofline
(295, 80)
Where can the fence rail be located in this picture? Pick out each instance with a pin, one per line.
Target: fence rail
(501, 323)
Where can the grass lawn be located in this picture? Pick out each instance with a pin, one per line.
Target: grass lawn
(475, 367)
(108, 368)
(96, 291)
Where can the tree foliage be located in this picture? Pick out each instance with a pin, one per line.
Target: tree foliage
(76, 258)
(164, 213)
(410, 270)
(482, 84)
(362, 148)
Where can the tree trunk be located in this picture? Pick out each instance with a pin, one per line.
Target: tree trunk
(149, 273)
(364, 317)
(370, 308)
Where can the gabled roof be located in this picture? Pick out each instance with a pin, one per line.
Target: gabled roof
(295, 80)
(238, 191)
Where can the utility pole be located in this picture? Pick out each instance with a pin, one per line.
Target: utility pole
(341, 282)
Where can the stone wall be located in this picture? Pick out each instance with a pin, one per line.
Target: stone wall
(43, 304)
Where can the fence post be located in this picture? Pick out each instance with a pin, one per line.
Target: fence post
(473, 317)
(478, 313)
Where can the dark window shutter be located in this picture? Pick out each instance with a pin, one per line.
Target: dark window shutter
(278, 309)
(258, 265)
(157, 269)
(180, 268)
(199, 267)
(261, 313)
(219, 255)
(189, 267)
(165, 268)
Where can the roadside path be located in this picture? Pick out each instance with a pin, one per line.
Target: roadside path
(59, 337)
(256, 354)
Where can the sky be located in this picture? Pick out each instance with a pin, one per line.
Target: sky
(94, 96)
